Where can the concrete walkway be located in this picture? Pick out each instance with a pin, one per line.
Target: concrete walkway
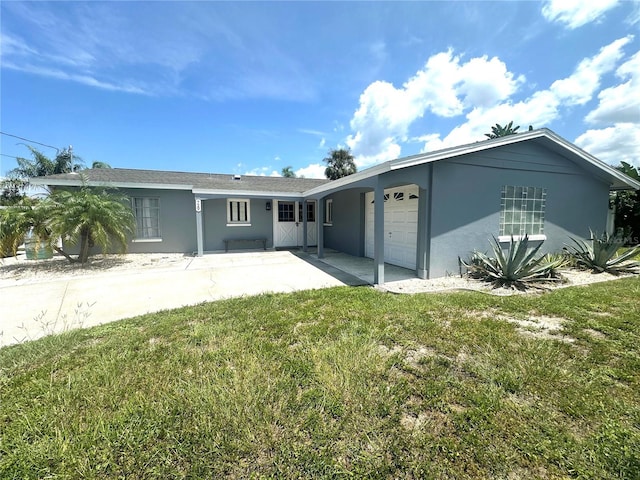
(37, 308)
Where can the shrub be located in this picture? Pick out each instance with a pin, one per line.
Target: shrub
(601, 255)
(27, 215)
(517, 269)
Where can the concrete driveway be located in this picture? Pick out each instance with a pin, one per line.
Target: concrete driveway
(37, 308)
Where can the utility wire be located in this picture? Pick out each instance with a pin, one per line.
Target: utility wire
(31, 141)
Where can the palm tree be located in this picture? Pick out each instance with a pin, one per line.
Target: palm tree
(340, 163)
(41, 165)
(500, 131)
(91, 216)
(98, 164)
(17, 181)
(88, 216)
(287, 172)
(28, 216)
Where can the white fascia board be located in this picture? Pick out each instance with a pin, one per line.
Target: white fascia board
(78, 183)
(245, 193)
(349, 179)
(632, 183)
(425, 158)
(466, 149)
(520, 137)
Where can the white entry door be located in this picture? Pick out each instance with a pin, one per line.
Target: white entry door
(400, 225)
(288, 224)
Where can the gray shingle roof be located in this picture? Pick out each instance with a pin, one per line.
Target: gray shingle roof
(125, 177)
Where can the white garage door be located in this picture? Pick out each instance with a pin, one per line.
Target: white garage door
(400, 225)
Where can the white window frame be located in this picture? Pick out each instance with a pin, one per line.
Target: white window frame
(522, 212)
(238, 217)
(141, 235)
(328, 212)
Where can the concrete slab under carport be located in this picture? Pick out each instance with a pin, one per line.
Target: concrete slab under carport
(29, 310)
(363, 267)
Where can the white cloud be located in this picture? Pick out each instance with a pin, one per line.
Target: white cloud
(322, 143)
(620, 143)
(543, 106)
(176, 49)
(634, 16)
(315, 170)
(263, 172)
(78, 78)
(620, 103)
(444, 87)
(576, 13)
(579, 87)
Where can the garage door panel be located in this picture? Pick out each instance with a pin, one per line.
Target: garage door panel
(401, 226)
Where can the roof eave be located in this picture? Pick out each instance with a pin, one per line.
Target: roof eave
(245, 193)
(626, 182)
(93, 183)
(356, 177)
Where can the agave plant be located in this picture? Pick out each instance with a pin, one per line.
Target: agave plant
(601, 255)
(519, 268)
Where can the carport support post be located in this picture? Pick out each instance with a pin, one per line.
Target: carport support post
(199, 226)
(378, 234)
(304, 226)
(320, 220)
(424, 235)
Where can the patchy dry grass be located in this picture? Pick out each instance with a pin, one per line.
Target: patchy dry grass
(345, 382)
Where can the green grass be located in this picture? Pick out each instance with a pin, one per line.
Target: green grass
(337, 383)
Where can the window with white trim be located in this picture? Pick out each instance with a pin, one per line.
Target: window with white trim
(238, 211)
(522, 211)
(147, 215)
(328, 211)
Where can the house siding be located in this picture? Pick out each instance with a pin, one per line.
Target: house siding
(346, 234)
(466, 201)
(177, 221)
(216, 230)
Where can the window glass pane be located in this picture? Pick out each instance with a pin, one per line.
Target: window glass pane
(311, 212)
(328, 211)
(510, 191)
(238, 211)
(147, 217)
(522, 210)
(286, 212)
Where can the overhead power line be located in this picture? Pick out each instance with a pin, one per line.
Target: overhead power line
(31, 141)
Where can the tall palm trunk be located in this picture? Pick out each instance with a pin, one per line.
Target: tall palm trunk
(84, 245)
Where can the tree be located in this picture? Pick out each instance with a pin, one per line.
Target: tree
(12, 191)
(287, 172)
(340, 163)
(29, 215)
(14, 186)
(91, 216)
(98, 164)
(499, 131)
(627, 206)
(40, 165)
(87, 216)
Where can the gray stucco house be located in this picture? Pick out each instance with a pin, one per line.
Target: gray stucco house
(420, 212)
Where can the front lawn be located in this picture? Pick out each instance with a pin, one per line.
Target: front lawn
(343, 382)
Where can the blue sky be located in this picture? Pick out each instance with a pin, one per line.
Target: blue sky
(250, 88)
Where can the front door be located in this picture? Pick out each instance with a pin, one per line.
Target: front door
(288, 224)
